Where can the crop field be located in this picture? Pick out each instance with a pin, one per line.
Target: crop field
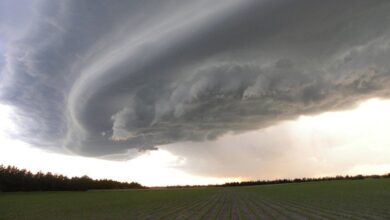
(346, 199)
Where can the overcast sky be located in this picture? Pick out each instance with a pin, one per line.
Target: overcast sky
(224, 89)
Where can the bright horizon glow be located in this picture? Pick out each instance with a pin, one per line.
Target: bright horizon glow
(350, 142)
(358, 136)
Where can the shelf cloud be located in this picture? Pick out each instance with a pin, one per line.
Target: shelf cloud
(109, 79)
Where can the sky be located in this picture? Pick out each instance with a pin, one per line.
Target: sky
(195, 92)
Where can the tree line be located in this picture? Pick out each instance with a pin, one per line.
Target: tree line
(13, 179)
(284, 181)
(301, 180)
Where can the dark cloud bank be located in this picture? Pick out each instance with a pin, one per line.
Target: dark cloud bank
(101, 78)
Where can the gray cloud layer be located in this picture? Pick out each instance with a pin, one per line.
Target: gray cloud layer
(100, 78)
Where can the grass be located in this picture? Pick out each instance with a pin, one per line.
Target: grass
(345, 199)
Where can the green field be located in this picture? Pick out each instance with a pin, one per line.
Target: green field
(345, 199)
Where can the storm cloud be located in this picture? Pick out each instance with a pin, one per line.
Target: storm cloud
(101, 78)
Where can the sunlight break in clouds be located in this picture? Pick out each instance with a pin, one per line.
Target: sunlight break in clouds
(354, 141)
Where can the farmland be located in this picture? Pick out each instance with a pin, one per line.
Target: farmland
(345, 199)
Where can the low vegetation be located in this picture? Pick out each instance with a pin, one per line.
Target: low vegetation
(339, 199)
